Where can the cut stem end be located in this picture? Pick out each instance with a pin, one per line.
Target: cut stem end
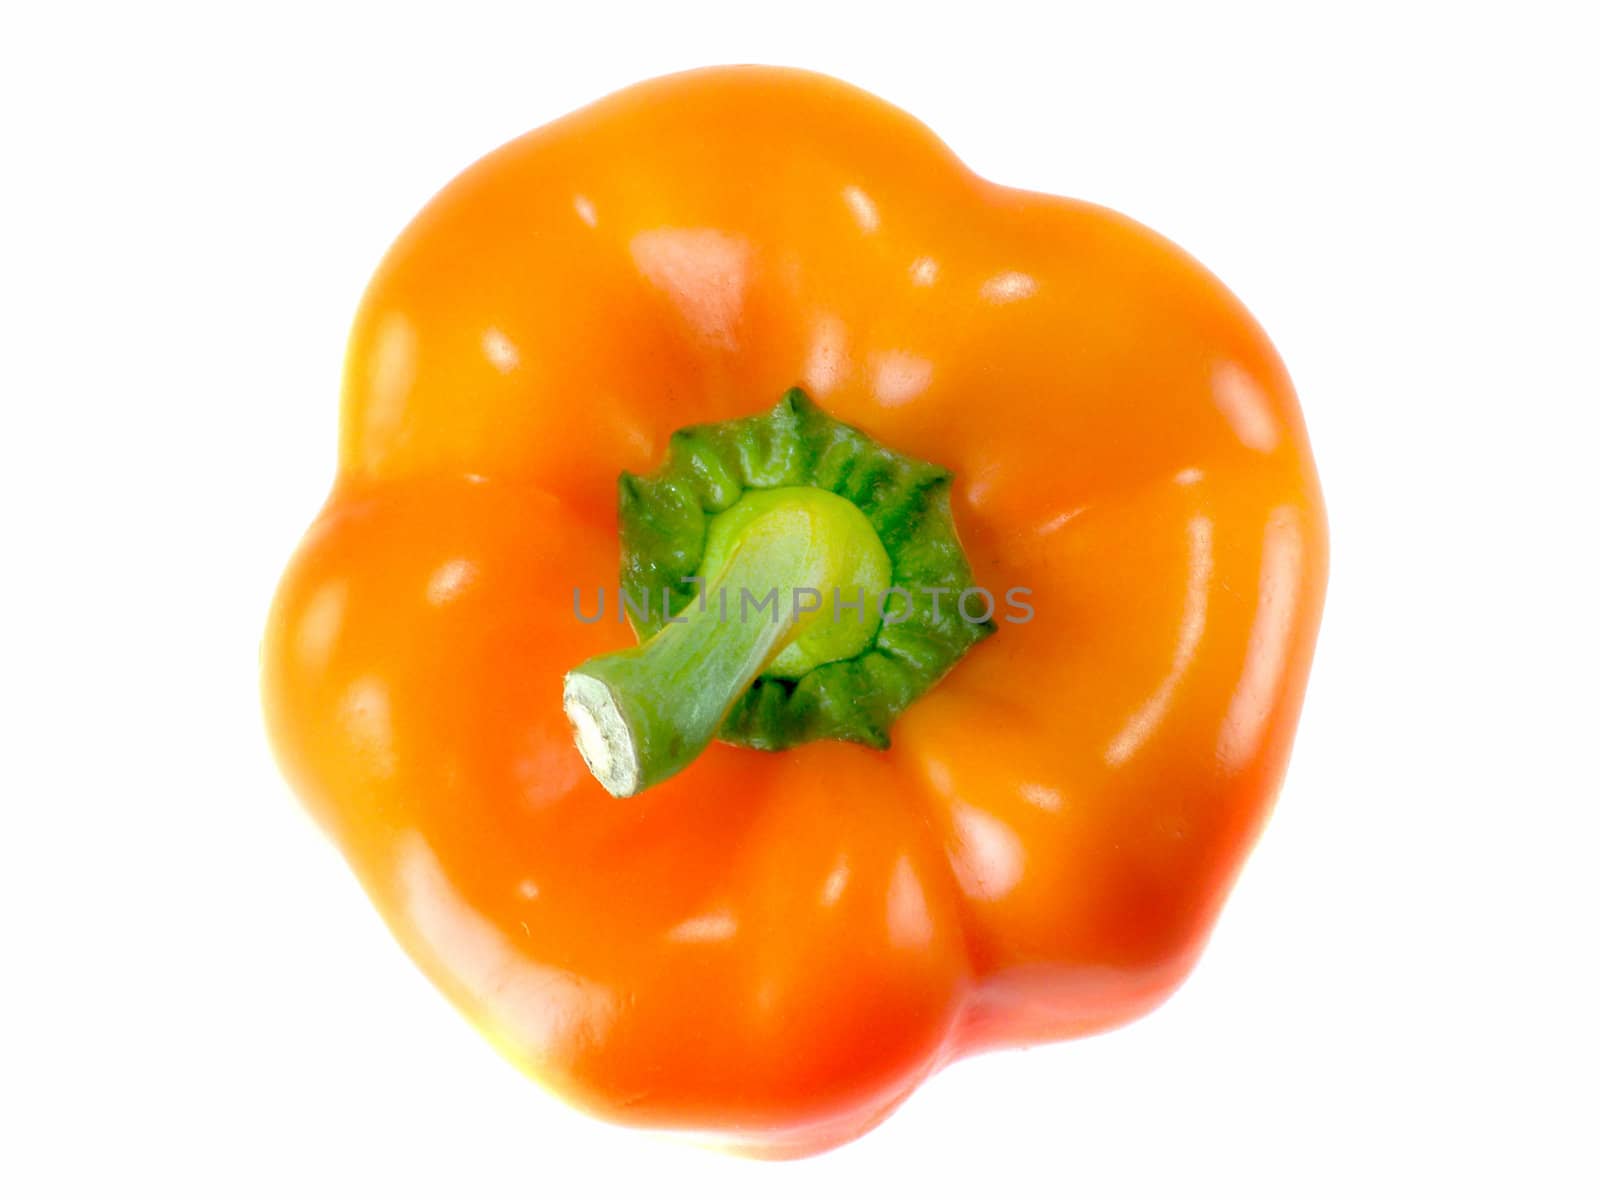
(607, 745)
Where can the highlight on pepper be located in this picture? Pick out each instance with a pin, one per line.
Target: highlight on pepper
(792, 613)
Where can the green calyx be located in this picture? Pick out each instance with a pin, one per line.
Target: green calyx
(789, 579)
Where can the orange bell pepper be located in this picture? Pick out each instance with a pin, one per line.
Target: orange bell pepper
(1029, 841)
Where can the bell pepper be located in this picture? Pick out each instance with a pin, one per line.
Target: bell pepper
(750, 876)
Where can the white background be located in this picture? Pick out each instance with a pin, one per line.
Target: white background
(1400, 1000)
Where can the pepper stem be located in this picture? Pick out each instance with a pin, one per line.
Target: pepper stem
(779, 556)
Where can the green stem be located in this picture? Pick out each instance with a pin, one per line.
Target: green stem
(780, 558)
(774, 504)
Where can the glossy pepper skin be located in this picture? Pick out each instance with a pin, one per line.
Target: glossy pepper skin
(773, 949)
